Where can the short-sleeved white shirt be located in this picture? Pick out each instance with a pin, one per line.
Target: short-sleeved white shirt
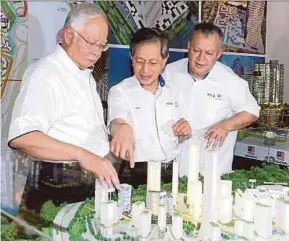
(219, 96)
(60, 100)
(151, 116)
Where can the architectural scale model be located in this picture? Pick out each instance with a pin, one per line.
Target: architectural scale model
(214, 212)
(266, 82)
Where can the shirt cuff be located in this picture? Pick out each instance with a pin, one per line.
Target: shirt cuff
(16, 130)
(252, 109)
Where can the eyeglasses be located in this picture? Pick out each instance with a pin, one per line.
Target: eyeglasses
(102, 46)
(142, 62)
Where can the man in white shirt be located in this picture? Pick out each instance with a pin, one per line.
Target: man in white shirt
(221, 100)
(145, 113)
(58, 114)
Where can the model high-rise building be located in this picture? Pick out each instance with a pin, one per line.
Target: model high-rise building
(7, 189)
(266, 82)
(124, 197)
(211, 193)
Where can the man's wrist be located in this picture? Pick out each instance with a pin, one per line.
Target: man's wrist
(79, 152)
(229, 124)
(125, 126)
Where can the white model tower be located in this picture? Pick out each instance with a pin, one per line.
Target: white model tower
(211, 193)
(263, 221)
(282, 214)
(101, 195)
(108, 218)
(154, 176)
(145, 223)
(194, 186)
(137, 209)
(226, 201)
(175, 181)
(177, 226)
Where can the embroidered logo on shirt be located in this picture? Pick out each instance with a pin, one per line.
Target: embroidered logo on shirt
(219, 97)
(173, 103)
(211, 95)
(215, 96)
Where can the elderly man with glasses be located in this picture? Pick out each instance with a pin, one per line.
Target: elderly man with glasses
(58, 114)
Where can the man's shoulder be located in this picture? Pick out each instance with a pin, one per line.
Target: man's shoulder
(125, 84)
(40, 70)
(45, 64)
(179, 65)
(223, 67)
(224, 74)
(176, 78)
(177, 72)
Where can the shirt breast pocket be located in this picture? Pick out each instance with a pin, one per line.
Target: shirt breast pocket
(216, 111)
(170, 110)
(141, 120)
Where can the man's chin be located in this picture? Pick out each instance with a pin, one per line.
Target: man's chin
(200, 72)
(145, 81)
(91, 62)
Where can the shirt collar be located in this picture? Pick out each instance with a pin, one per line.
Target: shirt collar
(67, 62)
(162, 82)
(217, 73)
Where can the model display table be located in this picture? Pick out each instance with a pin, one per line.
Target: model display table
(252, 144)
(236, 207)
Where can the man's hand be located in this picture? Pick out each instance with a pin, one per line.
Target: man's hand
(42, 146)
(101, 167)
(217, 134)
(182, 128)
(122, 144)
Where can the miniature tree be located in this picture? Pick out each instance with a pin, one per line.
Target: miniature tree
(49, 211)
(8, 231)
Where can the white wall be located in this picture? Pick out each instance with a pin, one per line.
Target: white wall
(278, 38)
(44, 21)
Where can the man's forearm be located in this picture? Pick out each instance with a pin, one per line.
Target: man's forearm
(239, 121)
(42, 146)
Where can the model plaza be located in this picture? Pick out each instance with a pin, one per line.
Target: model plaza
(209, 210)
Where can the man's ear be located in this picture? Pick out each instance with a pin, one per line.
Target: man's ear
(164, 61)
(188, 45)
(68, 35)
(221, 51)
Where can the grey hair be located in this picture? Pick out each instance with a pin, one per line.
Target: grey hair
(82, 12)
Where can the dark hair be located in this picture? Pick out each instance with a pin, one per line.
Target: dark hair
(208, 29)
(146, 35)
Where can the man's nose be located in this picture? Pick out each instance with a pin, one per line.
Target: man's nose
(201, 56)
(97, 51)
(145, 67)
